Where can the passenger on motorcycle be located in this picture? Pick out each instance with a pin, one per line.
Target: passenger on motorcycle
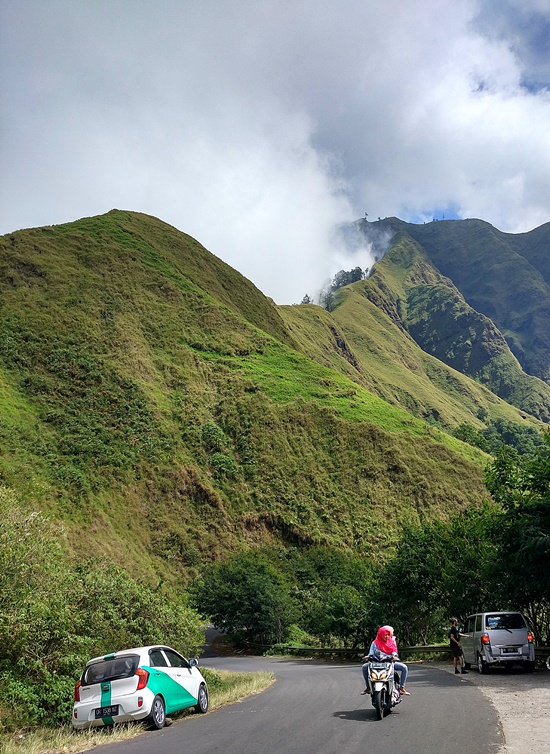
(384, 648)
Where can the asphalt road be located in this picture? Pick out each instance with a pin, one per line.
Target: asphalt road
(316, 708)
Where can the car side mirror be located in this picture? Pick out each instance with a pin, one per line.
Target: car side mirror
(193, 662)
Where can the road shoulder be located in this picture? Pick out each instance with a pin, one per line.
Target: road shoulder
(522, 703)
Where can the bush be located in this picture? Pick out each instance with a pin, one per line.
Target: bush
(223, 466)
(213, 437)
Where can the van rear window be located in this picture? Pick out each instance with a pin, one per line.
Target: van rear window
(505, 621)
(111, 669)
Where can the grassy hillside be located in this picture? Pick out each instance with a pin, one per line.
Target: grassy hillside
(150, 398)
(365, 338)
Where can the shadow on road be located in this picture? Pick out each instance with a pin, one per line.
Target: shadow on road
(367, 715)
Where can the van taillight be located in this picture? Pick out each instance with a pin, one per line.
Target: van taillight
(77, 692)
(485, 639)
(143, 676)
(530, 637)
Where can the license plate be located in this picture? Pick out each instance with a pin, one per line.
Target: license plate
(106, 711)
(510, 650)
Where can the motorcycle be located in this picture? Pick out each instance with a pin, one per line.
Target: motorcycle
(383, 686)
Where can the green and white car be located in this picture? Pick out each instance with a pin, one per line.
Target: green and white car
(145, 683)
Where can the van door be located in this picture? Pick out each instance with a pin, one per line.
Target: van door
(468, 642)
(508, 635)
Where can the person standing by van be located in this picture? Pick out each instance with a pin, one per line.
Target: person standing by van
(456, 647)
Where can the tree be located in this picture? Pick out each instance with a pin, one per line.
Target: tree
(327, 300)
(332, 589)
(246, 594)
(337, 612)
(344, 277)
(306, 300)
(440, 568)
(525, 439)
(521, 484)
(468, 433)
(501, 432)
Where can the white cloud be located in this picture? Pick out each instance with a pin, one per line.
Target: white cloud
(258, 127)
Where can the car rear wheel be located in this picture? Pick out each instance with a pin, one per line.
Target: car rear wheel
(529, 666)
(202, 702)
(157, 718)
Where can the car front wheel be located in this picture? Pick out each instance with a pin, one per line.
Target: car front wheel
(202, 702)
(157, 718)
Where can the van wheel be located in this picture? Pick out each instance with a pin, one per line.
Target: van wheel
(482, 665)
(529, 666)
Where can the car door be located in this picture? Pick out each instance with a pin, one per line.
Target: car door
(163, 681)
(185, 675)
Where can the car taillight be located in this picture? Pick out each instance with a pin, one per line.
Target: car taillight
(77, 692)
(143, 676)
(530, 637)
(485, 639)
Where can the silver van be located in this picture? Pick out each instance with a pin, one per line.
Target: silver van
(498, 638)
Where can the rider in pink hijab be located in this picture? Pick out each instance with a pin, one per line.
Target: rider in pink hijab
(385, 641)
(385, 644)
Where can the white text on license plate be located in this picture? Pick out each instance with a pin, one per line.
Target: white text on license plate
(106, 711)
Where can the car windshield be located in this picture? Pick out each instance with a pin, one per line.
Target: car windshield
(506, 621)
(109, 669)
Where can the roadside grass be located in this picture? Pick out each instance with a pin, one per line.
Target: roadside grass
(58, 740)
(233, 687)
(225, 687)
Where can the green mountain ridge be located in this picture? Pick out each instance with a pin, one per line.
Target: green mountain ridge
(505, 277)
(168, 413)
(428, 306)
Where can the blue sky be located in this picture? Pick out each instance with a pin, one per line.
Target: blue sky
(259, 127)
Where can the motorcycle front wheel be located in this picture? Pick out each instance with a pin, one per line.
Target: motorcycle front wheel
(387, 702)
(378, 704)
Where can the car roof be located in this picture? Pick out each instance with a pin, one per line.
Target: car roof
(132, 651)
(496, 612)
